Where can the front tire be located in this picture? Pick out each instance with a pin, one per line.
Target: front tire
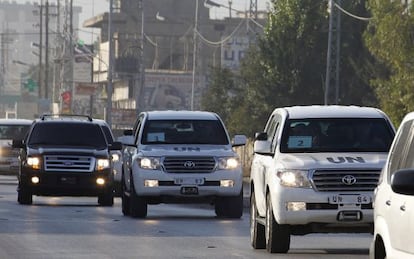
(257, 230)
(106, 199)
(277, 236)
(138, 206)
(230, 207)
(24, 197)
(125, 198)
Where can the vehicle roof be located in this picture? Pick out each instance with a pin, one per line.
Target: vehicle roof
(182, 114)
(332, 111)
(66, 118)
(15, 122)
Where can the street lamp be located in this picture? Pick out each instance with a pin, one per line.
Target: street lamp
(194, 54)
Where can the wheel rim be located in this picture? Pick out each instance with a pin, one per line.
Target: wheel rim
(252, 219)
(267, 227)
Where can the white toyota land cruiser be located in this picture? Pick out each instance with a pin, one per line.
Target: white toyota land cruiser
(181, 157)
(314, 170)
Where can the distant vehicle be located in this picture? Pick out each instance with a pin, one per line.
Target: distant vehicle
(116, 156)
(181, 157)
(394, 199)
(65, 155)
(314, 171)
(167, 97)
(11, 129)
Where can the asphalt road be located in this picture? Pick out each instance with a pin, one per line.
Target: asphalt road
(55, 227)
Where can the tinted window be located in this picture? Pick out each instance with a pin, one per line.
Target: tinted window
(13, 131)
(337, 135)
(68, 134)
(184, 132)
(397, 153)
(108, 134)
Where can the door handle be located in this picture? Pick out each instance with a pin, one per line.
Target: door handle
(388, 203)
(402, 207)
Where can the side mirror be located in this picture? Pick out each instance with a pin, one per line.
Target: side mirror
(17, 143)
(128, 132)
(260, 136)
(116, 145)
(402, 182)
(239, 140)
(127, 140)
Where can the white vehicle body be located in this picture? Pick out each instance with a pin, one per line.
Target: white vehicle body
(394, 199)
(174, 159)
(308, 182)
(11, 129)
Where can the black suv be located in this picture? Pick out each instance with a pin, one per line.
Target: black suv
(65, 155)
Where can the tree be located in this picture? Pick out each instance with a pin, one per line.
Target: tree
(389, 37)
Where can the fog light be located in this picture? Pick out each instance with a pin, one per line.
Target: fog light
(296, 206)
(100, 181)
(151, 183)
(226, 183)
(35, 180)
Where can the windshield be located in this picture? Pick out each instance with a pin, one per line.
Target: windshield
(337, 135)
(13, 131)
(184, 132)
(68, 134)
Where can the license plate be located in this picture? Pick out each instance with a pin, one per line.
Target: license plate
(68, 180)
(349, 199)
(189, 181)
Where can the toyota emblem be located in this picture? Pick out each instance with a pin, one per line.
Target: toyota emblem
(189, 164)
(349, 180)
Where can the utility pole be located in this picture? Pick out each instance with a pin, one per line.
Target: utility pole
(333, 54)
(194, 54)
(40, 92)
(140, 87)
(47, 51)
(110, 70)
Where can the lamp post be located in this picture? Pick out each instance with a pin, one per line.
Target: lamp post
(111, 52)
(194, 55)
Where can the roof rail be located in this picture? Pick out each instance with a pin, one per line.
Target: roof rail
(62, 116)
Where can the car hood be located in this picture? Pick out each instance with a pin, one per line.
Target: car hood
(187, 150)
(332, 160)
(69, 151)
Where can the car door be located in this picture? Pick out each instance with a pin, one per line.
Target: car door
(403, 205)
(396, 209)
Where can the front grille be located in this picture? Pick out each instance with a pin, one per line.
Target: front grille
(69, 163)
(345, 180)
(189, 164)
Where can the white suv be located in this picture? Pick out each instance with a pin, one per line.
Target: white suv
(394, 199)
(314, 170)
(181, 157)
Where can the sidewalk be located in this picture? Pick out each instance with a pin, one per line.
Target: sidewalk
(8, 180)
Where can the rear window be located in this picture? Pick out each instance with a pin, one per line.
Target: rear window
(68, 134)
(184, 132)
(13, 131)
(337, 135)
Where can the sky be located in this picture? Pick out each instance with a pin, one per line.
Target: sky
(91, 8)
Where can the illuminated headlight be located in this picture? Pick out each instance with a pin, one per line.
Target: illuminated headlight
(102, 164)
(33, 162)
(152, 163)
(294, 178)
(228, 163)
(100, 181)
(115, 157)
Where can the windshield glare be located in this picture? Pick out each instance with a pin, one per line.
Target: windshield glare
(337, 135)
(68, 134)
(184, 132)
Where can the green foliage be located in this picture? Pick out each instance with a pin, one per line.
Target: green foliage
(390, 38)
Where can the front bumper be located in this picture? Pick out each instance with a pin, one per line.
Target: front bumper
(318, 207)
(66, 184)
(188, 185)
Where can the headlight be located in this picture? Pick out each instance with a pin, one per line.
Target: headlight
(33, 162)
(228, 163)
(294, 178)
(115, 158)
(102, 164)
(152, 163)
